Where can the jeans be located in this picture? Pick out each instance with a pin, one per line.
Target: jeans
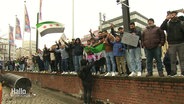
(46, 65)
(21, 67)
(127, 57)
(58, 64)
(173, 49)
(154, 53)
(110, 61)
(135, 59)
(77, 60)
(65, 64)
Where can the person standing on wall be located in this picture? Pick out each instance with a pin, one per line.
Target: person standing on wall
(153, 38)
(174, 27)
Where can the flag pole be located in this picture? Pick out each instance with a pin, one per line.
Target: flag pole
(72, 19)
(37, 32)
(14, 35)
(9, 44)
(24, 27)
(30, 45)
(38, 18)
(26, 17)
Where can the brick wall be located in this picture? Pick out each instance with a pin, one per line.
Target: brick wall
(118, 90)
(0, 93)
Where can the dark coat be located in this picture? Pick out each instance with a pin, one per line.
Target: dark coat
(166, 59)
(85, 75)
(175, 31)
(153, 36)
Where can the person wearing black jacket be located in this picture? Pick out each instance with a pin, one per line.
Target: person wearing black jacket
(78, 48)
(71, 54)
(58, 58)
(175, 37)
(46, 58)
(85, 74)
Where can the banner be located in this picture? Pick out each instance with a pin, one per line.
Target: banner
(11, 38)
(27, 27)
(18, 30)
(130, 39)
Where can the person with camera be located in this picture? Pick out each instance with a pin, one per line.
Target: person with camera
(174, 26)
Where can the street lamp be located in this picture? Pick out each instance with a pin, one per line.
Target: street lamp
(125, 13)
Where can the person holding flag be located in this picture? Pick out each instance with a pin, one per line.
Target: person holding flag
(89, 55)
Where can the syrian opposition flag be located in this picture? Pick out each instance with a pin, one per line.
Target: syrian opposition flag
(48, 27)
(99, 51)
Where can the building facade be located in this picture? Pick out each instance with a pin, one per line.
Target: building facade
(28, 48)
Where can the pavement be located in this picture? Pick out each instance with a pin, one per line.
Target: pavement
(39, 95)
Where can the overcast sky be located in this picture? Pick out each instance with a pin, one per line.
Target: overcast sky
(86, 14)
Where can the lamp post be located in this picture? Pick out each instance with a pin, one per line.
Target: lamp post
(125, 13)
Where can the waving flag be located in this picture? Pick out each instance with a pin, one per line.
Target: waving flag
(11, 38)
(98, 51)
(49, 27)
(18, 30)
(27, 22)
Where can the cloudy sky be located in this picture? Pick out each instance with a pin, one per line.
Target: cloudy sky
(86, 14)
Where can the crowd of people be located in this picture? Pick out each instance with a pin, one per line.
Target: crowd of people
(109, 54)
(115, 57)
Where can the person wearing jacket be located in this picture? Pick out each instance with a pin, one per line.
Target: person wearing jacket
(110, 60)
(121, 32)
(85, 74)
(153, 38)
(135, 53)
(64, 58)
(119, 54)
(46, 58)
(175, 37)
(78, 49)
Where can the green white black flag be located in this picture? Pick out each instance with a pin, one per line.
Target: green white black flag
(48, 27)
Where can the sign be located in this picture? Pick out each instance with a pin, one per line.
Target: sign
(130, 39)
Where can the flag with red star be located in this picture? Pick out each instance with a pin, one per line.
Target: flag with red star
(48, 27)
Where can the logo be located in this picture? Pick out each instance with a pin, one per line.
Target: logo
(19, 91)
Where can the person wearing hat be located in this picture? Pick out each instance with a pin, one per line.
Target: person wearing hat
(175, 37)
(153, 38)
